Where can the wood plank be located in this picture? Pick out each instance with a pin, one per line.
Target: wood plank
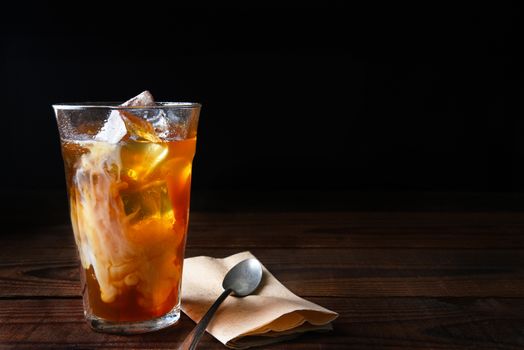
(373, 323)
(323, 230)
(17, 203)
(311, 272)
(355, 230)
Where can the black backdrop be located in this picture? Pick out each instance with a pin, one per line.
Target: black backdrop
(422, 97)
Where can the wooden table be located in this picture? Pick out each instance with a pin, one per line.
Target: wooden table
(400, 280)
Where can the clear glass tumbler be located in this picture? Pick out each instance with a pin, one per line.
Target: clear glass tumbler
(128, 174)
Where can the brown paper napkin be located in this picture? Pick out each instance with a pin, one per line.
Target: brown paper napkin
(272, 314)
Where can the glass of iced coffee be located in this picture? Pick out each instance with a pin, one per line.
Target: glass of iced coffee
(128, 174)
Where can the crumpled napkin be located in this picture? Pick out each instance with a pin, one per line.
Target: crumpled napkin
(270, 315)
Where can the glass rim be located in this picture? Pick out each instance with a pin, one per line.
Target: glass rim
(117, 106)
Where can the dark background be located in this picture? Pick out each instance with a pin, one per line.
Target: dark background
(367, 99)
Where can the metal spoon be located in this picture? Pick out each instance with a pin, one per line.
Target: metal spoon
(241, 280)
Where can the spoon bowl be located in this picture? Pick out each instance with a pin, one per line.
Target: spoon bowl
(244, 278)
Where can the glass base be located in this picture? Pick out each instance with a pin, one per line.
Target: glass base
(101, 325)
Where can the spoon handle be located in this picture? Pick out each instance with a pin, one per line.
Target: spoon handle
(193, 338)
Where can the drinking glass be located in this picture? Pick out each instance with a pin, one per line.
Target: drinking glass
(128, 175)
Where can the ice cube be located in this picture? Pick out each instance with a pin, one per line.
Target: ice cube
(143, 99)
(148, 202)
(122, 123)
(160, 123)
(113, 130)
(168, 124)
(138, 129)
(141, 159)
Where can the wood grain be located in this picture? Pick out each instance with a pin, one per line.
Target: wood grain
(314, 272)
(371, 323)
(327, 230)
(405, 280)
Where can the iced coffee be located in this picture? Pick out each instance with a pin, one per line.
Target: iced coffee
(128, 175)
